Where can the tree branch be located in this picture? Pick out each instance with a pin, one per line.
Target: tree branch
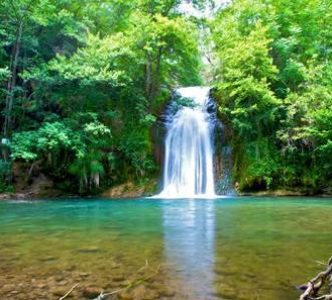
(312, 288)
(67, 294)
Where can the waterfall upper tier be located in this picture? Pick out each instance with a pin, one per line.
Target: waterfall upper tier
(188, 165)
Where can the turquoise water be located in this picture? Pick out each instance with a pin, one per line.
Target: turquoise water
(236, 248)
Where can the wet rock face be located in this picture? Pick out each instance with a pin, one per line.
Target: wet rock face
(91, 292)
(223, 158)
(131, 190)
(158, 135)
(30, 183)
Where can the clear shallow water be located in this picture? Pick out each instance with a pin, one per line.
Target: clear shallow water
(236, 248)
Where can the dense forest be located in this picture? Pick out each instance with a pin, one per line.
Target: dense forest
(273, 80)
(83, 83)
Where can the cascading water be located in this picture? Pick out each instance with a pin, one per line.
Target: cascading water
(188, 166)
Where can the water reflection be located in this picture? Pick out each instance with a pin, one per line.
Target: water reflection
(189, 237)
(208, 249)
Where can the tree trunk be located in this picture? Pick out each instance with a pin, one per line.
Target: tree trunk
(12, 81)
(152, 77)
(148, 78)
(155, 82)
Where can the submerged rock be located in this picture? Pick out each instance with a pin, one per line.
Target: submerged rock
(60, 291)
(225, 292)
(166, 293)
(91, 292)
(125, 295)
(89, 250)
(47, 258)
(139, 292)
(118, 278)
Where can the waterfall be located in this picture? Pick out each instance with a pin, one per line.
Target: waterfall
(188, 164)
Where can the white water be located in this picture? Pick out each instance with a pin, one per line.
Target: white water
(188, 166)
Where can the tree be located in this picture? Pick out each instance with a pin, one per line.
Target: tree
(273, 91)
(117, 61)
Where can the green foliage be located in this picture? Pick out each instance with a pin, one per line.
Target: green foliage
(91, 78)
(273, 85)
(68, 146)
(82, 83)
(5, 174)
(180, 102)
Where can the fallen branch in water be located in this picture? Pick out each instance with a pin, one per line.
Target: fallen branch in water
(131, 284)
(68, 293)
(312, 288)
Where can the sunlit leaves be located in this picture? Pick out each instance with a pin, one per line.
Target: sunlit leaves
(273, 83)
(91, 78)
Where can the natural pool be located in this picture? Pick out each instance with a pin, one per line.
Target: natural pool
(230, 248)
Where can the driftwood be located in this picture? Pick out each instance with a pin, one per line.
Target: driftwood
(68, 293)
(311, 289)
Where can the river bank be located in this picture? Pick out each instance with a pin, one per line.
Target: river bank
(125, 190)
(131, 191)
(43, 187)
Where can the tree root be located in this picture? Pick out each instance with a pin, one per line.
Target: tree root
(312, 288)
